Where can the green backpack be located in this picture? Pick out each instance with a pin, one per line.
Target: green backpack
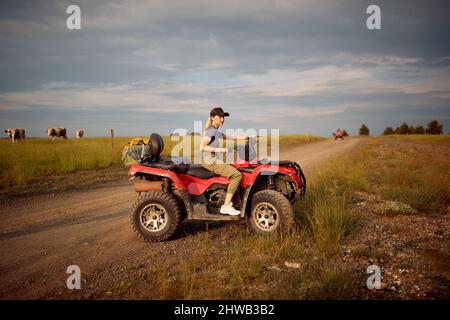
(137, 149)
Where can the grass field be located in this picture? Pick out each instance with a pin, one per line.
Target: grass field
(308, 263)
(424, 138)
(37, 159)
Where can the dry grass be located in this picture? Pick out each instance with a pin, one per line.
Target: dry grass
(31, 160)
(415, 173)
(424, 138)
(287, 141)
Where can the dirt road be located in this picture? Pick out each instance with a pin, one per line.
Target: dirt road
(42, 235)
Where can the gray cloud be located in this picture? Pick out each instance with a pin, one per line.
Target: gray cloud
(298, 65)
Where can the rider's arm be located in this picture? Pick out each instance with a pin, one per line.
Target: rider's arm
(234, 137)
(204, 146)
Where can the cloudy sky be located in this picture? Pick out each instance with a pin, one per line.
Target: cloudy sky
(154, 66)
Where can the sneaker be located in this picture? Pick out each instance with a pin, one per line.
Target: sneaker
(229, 210)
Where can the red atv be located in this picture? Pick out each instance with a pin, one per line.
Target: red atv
(171, 192)
(338, 135)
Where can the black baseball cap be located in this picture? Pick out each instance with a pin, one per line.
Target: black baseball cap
(218, 111)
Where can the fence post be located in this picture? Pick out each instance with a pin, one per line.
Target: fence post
(112, 145)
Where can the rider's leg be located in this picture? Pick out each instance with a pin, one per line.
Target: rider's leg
(228, 199)
(231, 173)
(235, 178)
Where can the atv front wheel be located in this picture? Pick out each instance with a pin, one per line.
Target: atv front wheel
(271, 213)
(155, 216)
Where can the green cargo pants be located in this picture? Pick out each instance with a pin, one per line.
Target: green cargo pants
(227, 171)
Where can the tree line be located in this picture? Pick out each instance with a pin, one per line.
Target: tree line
(434, 127)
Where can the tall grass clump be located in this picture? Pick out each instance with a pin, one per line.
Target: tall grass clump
(324, 210)
(325, 213)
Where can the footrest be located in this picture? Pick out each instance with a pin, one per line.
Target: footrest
(215, 217)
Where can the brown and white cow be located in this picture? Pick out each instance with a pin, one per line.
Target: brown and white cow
(15, 134)
(80, 133)
(57, 133)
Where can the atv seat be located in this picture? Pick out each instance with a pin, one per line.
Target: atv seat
(177, 168)
(167, 163)
(198, 171)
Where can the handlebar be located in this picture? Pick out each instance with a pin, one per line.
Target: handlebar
(247, 143)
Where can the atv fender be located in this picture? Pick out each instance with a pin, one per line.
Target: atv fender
(136, 168)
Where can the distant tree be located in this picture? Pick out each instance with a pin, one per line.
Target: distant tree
(403, 129)
(434, 127)
(364, 130)
(411, 130)
(388, 131)
(345, 133)
(419, 130)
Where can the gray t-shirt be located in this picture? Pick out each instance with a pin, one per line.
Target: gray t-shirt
(215, 135)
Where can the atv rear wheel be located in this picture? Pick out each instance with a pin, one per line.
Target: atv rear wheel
(155, 216)
(271, 213)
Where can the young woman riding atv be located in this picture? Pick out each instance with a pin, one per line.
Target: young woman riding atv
(210, 148)
(258, 191)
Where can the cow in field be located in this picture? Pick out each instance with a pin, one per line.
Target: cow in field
(57, 133)
(80, 133)
(15, 134)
